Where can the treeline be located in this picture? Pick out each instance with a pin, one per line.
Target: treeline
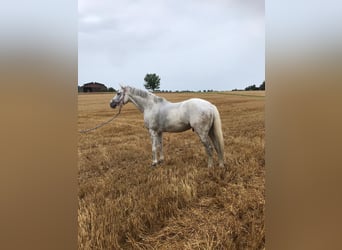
(253, 87)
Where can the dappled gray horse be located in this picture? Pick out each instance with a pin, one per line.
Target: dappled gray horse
(161, 116)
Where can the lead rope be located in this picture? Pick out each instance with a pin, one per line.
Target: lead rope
(102, 124)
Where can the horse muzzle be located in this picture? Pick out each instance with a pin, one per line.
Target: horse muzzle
(113, 105)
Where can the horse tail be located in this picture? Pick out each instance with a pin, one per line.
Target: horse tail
(216, 136)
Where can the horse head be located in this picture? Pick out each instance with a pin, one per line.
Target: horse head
(120, 98)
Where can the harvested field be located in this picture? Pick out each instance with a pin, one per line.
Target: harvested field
(181, 204)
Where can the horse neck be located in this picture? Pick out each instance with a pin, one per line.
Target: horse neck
(140, 102)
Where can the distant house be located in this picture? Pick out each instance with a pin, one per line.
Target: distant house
(93, 87)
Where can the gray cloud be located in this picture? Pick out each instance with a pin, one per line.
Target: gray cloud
(190, 44)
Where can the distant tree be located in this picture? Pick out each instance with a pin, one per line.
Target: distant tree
(252, 87)
(152, 81)
(110, 89)
(262, 86)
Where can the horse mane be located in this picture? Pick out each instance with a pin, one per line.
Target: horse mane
(145, 94)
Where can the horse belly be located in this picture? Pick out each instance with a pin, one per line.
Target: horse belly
(175, 124)
(179, 127)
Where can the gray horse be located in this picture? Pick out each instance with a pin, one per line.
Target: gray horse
(161, 116)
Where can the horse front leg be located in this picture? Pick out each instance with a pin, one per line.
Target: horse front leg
(160, 145)
(154, 139)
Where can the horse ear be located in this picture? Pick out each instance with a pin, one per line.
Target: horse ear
(124, 88)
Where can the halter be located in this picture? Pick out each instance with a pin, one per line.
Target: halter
(122, 99)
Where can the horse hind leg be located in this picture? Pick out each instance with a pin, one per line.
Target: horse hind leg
(206, 142)
(216, 146)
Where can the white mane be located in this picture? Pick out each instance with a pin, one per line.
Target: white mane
(144, 94)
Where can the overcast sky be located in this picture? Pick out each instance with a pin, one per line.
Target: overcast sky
(190, 44)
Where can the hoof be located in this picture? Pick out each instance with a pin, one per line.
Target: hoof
(154, 164)
(210, 163)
